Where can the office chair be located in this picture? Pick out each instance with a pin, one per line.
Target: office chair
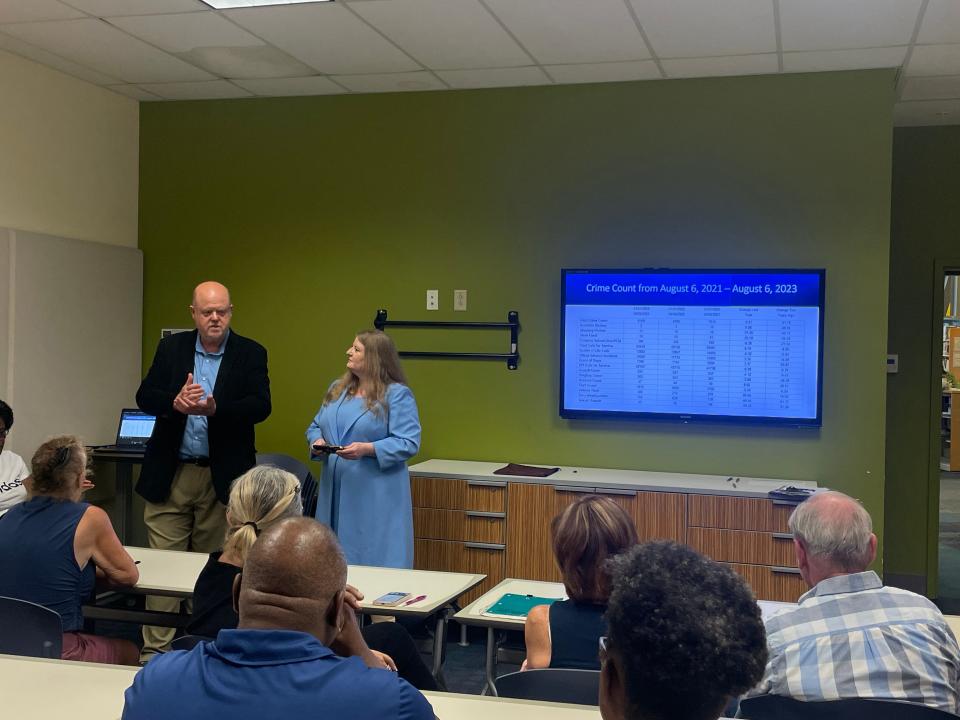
(308, 485)
(580, 687)
(29, 629)
(781, 707)
(188, 642)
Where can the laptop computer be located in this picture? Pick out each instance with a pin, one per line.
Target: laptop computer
(134, 430)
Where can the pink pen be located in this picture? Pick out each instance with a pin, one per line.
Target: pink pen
(415, 600)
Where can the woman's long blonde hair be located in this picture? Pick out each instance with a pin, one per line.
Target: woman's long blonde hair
(260, 497)
(381, 368)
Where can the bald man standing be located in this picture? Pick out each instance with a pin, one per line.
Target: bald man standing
(851, 636)
(296, 653)
(208, 389)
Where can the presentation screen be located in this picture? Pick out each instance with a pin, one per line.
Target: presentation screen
(690, 345)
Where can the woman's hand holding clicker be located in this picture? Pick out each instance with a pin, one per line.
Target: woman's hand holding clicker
(357, 450)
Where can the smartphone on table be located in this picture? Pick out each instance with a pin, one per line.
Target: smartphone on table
(391, 599)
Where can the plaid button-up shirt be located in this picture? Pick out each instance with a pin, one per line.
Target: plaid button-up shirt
(852, 637)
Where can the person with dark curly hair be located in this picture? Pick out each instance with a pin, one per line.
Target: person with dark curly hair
(685, 635)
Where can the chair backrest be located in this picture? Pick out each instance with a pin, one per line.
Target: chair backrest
(29, 629)
(308, 486)
(188, 642)
(780, 707)
(580, 687)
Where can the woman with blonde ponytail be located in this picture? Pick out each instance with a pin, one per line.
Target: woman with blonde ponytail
(258, 498)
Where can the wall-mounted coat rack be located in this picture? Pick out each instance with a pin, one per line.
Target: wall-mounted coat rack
(513, 324)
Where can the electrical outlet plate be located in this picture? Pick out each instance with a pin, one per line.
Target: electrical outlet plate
(433, 299)
(460, 300)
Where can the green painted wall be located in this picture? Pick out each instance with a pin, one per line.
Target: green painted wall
(925, 233)
(317, 211)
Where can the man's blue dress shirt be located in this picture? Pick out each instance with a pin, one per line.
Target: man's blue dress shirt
(257, 674)
(206, 366)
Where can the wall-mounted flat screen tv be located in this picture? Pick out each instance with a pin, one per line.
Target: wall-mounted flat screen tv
(692, 345)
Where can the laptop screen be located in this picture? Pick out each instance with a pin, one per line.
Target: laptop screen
(136, 427)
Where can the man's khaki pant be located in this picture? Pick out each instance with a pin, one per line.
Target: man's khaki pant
(191, 519)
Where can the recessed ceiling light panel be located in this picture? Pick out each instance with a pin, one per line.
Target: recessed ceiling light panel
(231, 4)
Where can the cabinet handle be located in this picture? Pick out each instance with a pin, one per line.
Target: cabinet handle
(484, 546)
(783, 536)
(483, 514)
(617, 491)
(487, 483)
(786, 570)
(574, 489)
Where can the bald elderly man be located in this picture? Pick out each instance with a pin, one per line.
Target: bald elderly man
(297, 651)
(208, 388)
(851, 636)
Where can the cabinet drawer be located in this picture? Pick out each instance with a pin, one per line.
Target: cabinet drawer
(462, 525)
(453, 494)
(733, 513)
(744, 546)
(449, 556)
(770, 583)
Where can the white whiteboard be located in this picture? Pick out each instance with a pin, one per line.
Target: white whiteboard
(71, 321)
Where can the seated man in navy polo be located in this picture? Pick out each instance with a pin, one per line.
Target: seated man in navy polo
(279, 661)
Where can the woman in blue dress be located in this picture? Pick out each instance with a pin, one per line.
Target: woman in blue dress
(365, 488)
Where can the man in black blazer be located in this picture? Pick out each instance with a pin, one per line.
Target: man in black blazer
(208, 388)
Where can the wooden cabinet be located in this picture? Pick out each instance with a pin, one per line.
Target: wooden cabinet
(502, 529)
(460, 526)
(752, 536)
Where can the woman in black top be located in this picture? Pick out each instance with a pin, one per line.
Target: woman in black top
(259, 498)
(566, 633)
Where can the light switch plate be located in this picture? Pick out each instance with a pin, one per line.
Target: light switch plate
(460, 300)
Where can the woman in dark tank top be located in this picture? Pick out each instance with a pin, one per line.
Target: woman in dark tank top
(565, 634)
(54, 547)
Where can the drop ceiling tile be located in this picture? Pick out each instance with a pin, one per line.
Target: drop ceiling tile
(604, 72)
(931, 88)
(392, 82)
(693, 28)
(719, 66)
(104, 48)
(558, 32)
(31, 52)
(934, 60)
(213, 43)
(845, 24)
(444, 34)
(110, 8)
(325, 36)
(12, 11)
(207, 90)
(182, 32)
(826, 60)
(277, 87)
(133, 91)
(927, 112)
(494, 77)
(941, 23)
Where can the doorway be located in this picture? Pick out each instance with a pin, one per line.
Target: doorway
(949, 436)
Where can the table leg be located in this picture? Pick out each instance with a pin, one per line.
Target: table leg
(124, 499)
(463, 636)
(439, 640)
(491, 665)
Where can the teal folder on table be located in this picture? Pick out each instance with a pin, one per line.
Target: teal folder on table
(513, 605)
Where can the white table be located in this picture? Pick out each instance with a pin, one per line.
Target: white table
(174, 574)
(472, 614)
(57, 689)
